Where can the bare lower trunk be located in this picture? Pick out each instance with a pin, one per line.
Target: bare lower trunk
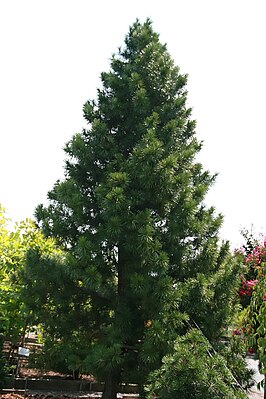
(110, 386)
(264, 386)
(113, 378)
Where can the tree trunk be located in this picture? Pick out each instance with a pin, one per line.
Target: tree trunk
(110, 386)
(264, 387)
(113, 378)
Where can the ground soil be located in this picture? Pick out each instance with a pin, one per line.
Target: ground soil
(46, 396)
(25, 372)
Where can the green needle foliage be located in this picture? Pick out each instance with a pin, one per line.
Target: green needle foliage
(193, 371)
(142, 253)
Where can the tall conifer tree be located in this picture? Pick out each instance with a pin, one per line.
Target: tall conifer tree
(142, 246)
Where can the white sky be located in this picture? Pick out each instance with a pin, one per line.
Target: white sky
(52, 53)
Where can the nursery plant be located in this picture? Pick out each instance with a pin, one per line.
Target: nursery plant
(142, 253)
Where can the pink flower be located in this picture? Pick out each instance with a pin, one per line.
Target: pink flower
(252, 283)
(242, 292)
(247, 287)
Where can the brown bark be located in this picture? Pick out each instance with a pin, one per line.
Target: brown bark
(111, 386)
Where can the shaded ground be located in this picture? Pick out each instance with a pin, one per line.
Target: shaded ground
(25, 372)
(51, 395)
(253, 393)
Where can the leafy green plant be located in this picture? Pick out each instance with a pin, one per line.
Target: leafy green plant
(60, 356)
(234, 352)
(16, 318)
(193, 371)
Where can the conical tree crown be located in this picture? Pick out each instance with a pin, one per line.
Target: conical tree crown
(140, 146)
(141, 244)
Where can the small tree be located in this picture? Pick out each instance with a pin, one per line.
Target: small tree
(142, 248)
(14, 246)
(15, 317)
(60, 307)
(12, 314)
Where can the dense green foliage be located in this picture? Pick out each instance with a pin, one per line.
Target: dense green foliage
(12, 251)
(234, 354)
(142, 252)
(15, 317)
(194, 370)
(14, 247)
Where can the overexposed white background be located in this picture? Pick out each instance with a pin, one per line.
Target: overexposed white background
(52, 53)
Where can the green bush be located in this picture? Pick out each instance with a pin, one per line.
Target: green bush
(235, 355)
(193, 371)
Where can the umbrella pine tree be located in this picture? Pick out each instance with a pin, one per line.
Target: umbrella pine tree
(141, 246)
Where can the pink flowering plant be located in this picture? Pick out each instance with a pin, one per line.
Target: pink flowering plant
(246, 290)
(252, 293)
(253, 255)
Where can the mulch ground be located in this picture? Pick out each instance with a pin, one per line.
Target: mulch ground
(50, 396)
(32, 396)
(35, 373)
(96, 395)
